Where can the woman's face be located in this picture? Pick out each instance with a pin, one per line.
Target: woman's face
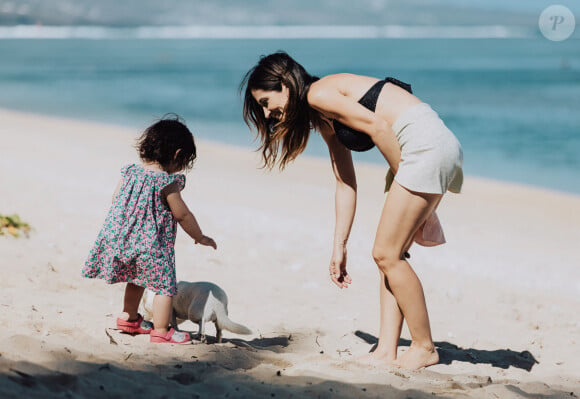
(273, 103)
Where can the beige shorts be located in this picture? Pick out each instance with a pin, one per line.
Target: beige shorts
(431, 156)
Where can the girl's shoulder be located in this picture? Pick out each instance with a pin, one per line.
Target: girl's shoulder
(162, 179)
(135, 169)
(127, 168)
(178, 179)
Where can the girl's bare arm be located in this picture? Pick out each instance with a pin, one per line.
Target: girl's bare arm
(185, 217)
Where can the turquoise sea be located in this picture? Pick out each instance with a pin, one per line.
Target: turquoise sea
(513, 103)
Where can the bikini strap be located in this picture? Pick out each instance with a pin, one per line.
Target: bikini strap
(402, 85)
(369, 100)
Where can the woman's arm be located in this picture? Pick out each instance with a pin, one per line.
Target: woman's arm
(325, 96)
(184, 217)
(345, 204)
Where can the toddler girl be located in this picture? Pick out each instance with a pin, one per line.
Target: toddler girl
(136, 243)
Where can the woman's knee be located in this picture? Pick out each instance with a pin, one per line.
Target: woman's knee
(386, 257)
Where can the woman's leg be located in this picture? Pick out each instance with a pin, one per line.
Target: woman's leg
(391, 318)
(403, 214)
(391, 322)
(162, 308)
(133, 294)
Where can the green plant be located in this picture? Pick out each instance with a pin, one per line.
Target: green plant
(12, 225)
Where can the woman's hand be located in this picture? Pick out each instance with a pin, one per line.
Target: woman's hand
(338, 273)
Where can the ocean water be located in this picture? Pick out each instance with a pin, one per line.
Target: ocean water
(514, 103)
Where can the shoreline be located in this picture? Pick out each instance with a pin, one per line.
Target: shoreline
(131, 129)
(502, 293)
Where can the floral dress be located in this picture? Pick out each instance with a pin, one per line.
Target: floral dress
(136, 243)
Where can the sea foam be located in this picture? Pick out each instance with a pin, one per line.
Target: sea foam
(266, 32)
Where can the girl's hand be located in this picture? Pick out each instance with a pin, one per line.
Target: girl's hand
(207, 241)
(338, 273)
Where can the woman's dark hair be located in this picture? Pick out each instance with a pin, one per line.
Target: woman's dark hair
(290, 135)
(161, 141)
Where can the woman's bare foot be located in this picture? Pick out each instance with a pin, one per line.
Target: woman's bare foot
(375, 359)
(417, 357)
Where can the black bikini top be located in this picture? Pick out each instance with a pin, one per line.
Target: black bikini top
(356, 140)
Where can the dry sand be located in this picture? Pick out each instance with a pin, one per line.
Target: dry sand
(502, 294)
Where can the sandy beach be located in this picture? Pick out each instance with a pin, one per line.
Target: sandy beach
(503, 293)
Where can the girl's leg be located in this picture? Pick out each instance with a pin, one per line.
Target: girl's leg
(162, 312)
(133, 294)
(403, 214)
(162, 308)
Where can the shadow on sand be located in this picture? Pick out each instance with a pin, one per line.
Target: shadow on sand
(448, 352)
(235, 369)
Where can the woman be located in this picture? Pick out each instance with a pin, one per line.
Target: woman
(352, 112)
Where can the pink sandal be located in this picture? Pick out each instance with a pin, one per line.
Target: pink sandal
(138, 326)
(171, 337)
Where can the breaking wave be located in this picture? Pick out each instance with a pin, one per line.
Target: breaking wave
(266, 32)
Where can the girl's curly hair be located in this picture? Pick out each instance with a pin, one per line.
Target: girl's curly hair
(161, 141)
